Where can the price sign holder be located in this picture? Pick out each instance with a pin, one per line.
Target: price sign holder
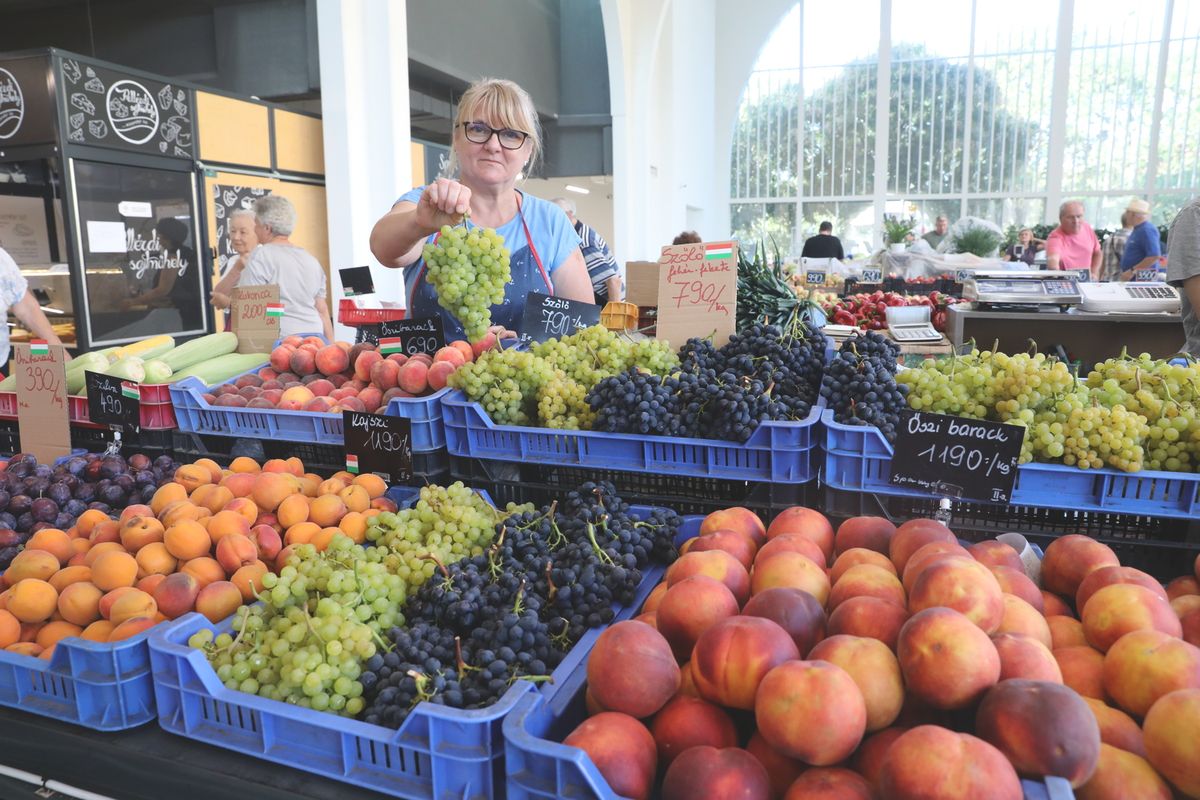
(1143, 275)
(814, 277)
(956, 456)
(412, 336)
(113, 402)
(42, 419)
(963, 275)
(1083, 275)
(872, 276)
(356, 281)
(379, 444)
(256, 314)
(547, 317)
(697, 292)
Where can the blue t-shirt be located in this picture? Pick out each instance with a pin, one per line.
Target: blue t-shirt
(1143, 242)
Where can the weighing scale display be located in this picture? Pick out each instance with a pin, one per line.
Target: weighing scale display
(1015, 287)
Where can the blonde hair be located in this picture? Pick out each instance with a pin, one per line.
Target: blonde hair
(501, 102)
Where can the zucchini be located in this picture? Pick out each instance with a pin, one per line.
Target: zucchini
(217, 370)
(200, 350)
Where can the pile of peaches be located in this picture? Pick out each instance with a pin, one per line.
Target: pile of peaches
(897, 663)
(309, 375)
(203, 543)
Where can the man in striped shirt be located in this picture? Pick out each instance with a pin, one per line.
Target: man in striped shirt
(601, 266)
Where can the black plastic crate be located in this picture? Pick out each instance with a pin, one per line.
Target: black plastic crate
(10, 438)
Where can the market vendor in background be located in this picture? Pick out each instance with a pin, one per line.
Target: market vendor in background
(935, 236)
(243, 240)
(496, 139)
(1114, 248)
(1183, 270)
(16, 297)
(1026, 247)
(601, 266)
(824, 244)
(1073, 244)
(1144, 246)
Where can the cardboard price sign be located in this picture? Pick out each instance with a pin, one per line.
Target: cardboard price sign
(356, 281)
(112, 401)
(547, 317)
(956, 456)
(379, 444)
(256, 314)
(697, 292)
(412, 336)
(40, 370)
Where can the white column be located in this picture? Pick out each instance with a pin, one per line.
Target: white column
(1058, 110)
(364, 105)
(883, 84)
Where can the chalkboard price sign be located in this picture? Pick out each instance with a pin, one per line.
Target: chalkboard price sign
(112, 401)
(379, 444)
(412, 336)
(548, 317)
(1145, 274)
(814, 277)
(956, 456)
(872, 276)
(356, 281)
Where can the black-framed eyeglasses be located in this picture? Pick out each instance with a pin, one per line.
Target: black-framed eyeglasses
(509, 138)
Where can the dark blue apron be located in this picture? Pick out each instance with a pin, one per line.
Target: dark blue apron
(528, 275)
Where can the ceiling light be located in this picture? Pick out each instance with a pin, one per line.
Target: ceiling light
(570, 187)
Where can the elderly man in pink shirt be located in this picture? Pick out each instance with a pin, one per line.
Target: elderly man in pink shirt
(1073, 244)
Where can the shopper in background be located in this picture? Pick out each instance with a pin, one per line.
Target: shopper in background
(16, 297)
(243, 239)
(1183, 270)
(496, 139)
(170, 289)
(688, 237)
(940, 226)
(601, 266)
(824, 244)
(1114, 247)
(1144, 246)
(1073, 244)
(1026, 247)
(300, 277)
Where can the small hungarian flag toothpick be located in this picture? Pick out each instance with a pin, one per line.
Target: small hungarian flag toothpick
(389, 345)
(718, 250)
(274, 309)
(39, 347)
(130, 390)
(352, 463)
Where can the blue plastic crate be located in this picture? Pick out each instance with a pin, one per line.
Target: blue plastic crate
(437, 753)
(858, 458)
(784, 452)
(425, 415)
(106, 687)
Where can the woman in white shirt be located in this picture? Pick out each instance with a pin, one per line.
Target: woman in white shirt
(243, 240)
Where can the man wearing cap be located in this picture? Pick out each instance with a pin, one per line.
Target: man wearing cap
(1183, 270)
(1143, 247)
(1073, 244)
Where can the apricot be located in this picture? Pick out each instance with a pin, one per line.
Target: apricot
(235, 551)
(218, 600)
(301, 533)
(204, 569)
(149, 583)
(10, 629)
(68, 575)
(327, 510)
(131, 627)
(248, 580)
(55, 542)
(355, 498)
(155, 559)
(227, 523)
(108, 530)
(31, 649)
(244, 506)
(309, 483)
(114, 569)
(212, 497)
(267, 540)
(293, 510)
(98, 631)
(37, 564)
(131, 604)
(187, 539)
(106, 602)
(88, 519)
(373, 484)
(192, 476)
(240, 484)
(271, 489)
(354, 526)
(54, 632)
(80, 603)
(32, 600)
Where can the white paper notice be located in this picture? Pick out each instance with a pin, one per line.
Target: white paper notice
(129, 208)
(106, 237)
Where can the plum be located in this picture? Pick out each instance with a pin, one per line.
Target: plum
(43, 471)
(25, 521)
(9, 537)
(76, 465)
(139, 461)
(37, 526)
(125, 481)
(59, 492)
(44, 510)
(7, 520)
(7, 554)
(113, 495)
(144, 477)
(112, 466)
(85, 492)
(63, 520)
(70, 481)
(165, 463)
(36, 487)
(4, 498)
(92, 471)
(18, 470)
(74, 507)
(20, 504)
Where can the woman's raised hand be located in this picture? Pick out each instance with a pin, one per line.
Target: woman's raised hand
(444, 202)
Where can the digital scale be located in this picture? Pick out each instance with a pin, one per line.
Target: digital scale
(1025, 288)
(1144, 297)
(911, 325)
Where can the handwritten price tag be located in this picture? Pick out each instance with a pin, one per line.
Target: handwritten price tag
(1145, 275)
(379, 444)
(256, 315)
(546, 317)
(40, 370)
(1083, 275)
(112, 401)
(697, 291)
(872, 276)
(814, 276)
(412, 336)
(957, 457)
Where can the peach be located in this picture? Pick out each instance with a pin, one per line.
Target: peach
(857, 556)
(244, 506)
(868, 759)
(296, 397)
(790, 569)
(451, 355)
(204, 569)
(154, 559)
(631, 669)
(55, 542)
(689, 722)
(218, 600)
(114, 569)
(913, 535)
(1144, 665)
(1023, 656)
(331, 359)
(622, 749)
(1043, 728)
(1182, 605)
(690, 607)
(946, 659)
(110, 530)
(781, 770)
(934, 763)
(303, 362)
(107, 600)
(281, 358)
(796, 611)
(37, 564)
(1121, 775)
(176, 595)
(465, 348)
(371, 398)
(1183, 585)
(716, 564)
(187, 539)
(708, 772)
(267, 540)
(1020, 617)
(867, 580)
(318, 405)
(1083, 670)
(385, 375)
(992, 553)
(966, 586)
(830, 783)
(1119, 608)
(870, 617)
(240, 484)
(806, 522)
(731, 658)
(133, 603)
(1016, 582)
(413, 377)
(271, 489)
(812, 711)
(439, 375)
(875, 670)
(1055, 606)
(1107, 576)
(736, 519)
(234, 552)
(1190, 622)
(1117, 729)
(868, 533)
(363, 364)
(792, 543)
(69, 575)
(1069, 559)
(32, 600)
(655, 597)
(149, 583)
(925, 556)
(738, 546)
(1171, 730)
(488, 342)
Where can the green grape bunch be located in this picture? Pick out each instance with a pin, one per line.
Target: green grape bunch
(469, 268)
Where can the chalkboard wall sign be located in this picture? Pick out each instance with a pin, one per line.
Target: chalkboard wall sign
(412, 336)
(108, 108)
(379, 444)
(112, 401)
(548, 317)
(956, 456)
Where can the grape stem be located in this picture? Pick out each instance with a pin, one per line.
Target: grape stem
(604, 557)
(553, 590)
(519, 605)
